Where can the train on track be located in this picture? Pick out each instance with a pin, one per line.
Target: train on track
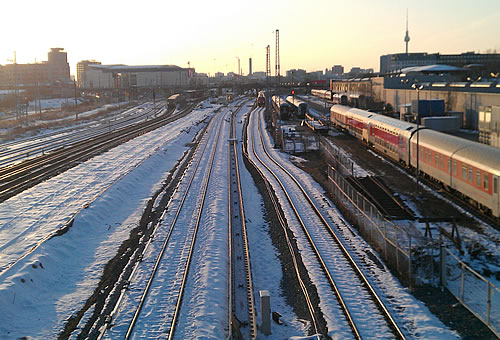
(175, 99)
(261, 99)
(299, 107)
(281, 107)
(462, 166)
(335, 98)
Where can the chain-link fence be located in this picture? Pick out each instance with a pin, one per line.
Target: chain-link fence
(473, 291)
(392, 242)
(413, 256)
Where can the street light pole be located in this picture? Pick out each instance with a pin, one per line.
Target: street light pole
(418, 88)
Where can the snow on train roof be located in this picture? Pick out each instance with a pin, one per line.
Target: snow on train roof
(295, 101)
(395, 123)
(281, 101)
(385, 121)
(479, 155)
(342, 109)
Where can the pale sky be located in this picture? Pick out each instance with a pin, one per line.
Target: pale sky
(314, 34)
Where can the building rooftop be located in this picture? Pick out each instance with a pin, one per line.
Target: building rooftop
(431, 68)
(139, 68)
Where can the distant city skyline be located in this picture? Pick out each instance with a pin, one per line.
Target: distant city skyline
(212, 35)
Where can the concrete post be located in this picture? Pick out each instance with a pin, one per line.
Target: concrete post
(265, 312)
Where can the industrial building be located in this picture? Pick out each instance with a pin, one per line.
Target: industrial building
(94, 75)
(55, 69)
(464, 97)
(488, 62)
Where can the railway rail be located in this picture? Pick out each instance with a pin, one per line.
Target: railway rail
(242, 320)
(179, 242)
(22, 176)
(366, 295)
(314, 318)
(28, 148)
(173, 252)
(56, 170)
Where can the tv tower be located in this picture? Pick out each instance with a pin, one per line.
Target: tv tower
(407, 36)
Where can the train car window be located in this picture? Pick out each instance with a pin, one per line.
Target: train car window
(485, 181)
(455, 168)
(478, 178)
(470, 175)
(464, 172)
(495, 185)
(449, 165)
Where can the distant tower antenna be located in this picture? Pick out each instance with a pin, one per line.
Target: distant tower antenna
(268, 61)
(407, 36)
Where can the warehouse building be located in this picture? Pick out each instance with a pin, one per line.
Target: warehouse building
(93, 75)
(54, 70)
(487, 62)
(464, 97)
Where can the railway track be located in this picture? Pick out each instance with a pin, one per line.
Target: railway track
(42, 239)
(28, 148)
(159, 294)
(22, 176)
(314, 318)
(177, 278)
(364, 310)
(242, 322)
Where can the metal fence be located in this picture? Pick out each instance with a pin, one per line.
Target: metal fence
(415, 257)
(392, 242)
(338, 157)
(473, 291)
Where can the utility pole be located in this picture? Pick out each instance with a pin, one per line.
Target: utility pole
(15, 84)
(76, 103)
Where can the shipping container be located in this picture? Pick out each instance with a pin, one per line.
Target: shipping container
(427, 107)
(442, 123)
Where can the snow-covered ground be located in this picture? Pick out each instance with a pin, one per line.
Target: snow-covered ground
(49, 139)
(34, 120)
(105, 196)
(416, 320)
(266, 267)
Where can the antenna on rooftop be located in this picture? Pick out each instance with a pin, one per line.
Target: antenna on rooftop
(407, 36)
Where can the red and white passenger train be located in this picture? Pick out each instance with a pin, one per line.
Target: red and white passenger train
(467, 167)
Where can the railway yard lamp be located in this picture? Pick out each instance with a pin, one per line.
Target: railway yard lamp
(418, 87)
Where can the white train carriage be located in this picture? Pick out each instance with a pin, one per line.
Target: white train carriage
(354, 120)
(300, 106)
(391, 136)
(468, 167)
(325, 94)
(465, 166)
(340, 98)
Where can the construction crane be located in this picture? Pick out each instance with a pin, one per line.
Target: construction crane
(268, 61)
